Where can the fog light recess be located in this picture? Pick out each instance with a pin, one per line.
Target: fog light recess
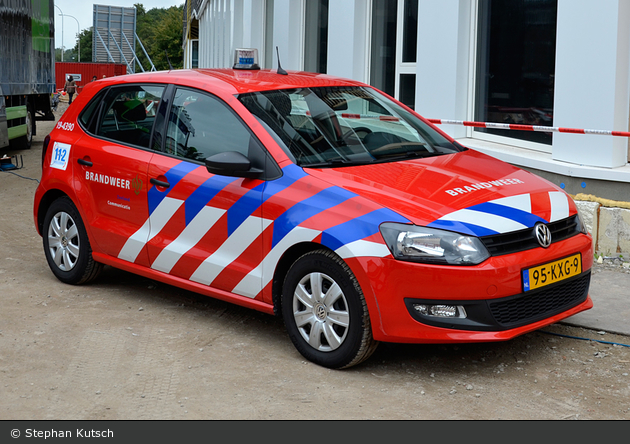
(441, 311)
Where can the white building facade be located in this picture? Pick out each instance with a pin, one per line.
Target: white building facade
(560, 63)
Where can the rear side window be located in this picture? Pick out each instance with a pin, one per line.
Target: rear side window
(89, 116)
(125, 114)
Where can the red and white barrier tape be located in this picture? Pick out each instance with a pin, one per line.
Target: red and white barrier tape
(514, 126)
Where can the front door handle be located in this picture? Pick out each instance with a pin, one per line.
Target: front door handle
(84, 162)
(159, 183)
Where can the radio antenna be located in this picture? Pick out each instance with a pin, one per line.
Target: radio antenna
(280, 70)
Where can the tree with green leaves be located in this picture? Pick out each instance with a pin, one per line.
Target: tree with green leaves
(159, 30)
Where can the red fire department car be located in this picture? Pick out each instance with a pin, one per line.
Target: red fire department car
(312, 197)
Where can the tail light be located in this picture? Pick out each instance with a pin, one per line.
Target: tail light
(45, 148)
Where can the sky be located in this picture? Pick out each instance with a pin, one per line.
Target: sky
(82, 15)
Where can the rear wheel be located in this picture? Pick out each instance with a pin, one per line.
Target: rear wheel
(325, 312)
(66, 244)
(25, 142)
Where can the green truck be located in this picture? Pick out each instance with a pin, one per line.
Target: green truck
(27, 69)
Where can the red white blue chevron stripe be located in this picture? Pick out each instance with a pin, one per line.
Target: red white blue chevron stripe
(237, 247)
(507, 214)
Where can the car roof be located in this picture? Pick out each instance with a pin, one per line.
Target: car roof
(235, 81)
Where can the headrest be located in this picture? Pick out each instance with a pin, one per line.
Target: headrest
(130, 110)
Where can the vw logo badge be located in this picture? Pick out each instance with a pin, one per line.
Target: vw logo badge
(320, 312)
(543, 235)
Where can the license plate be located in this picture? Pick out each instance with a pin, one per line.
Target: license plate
(552, 272)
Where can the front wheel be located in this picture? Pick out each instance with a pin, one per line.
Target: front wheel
(325, 312)
(66, 244)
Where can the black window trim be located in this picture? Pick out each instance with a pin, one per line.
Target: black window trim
(99, 113)
(271, 169)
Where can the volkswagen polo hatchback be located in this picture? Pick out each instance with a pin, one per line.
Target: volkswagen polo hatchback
(315, 198)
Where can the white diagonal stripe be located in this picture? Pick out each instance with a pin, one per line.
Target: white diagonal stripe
(231, 249)
(192, 234)
(521, 202)
(135, 243)
(361, 248)
(486, 220)
(153, 225)
(260, 276)
(559, 206)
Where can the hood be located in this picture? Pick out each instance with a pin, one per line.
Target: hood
(467, 192)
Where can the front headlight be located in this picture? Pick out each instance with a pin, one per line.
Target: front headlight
(432, 246)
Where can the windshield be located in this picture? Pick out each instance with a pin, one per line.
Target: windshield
(336, 126)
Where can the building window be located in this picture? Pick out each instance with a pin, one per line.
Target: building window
(316, 36)
(515, 65)
(394, 48)
(270, 50)
(410, 31)
(383, 46)
(408, 90)
(194, 62)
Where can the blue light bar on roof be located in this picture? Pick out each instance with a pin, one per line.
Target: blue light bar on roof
(246, 58)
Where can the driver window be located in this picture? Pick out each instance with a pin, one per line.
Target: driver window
(201, 125)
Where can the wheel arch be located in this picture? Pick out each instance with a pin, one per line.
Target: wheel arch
(288, 258)
(296, 251)
(46, 201)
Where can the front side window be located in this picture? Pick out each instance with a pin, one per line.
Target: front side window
(200, 125)
(515, 65)
(344, 126)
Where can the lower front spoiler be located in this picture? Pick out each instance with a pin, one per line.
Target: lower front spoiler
(508, 312)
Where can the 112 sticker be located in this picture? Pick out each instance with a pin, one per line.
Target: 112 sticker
(60, 155)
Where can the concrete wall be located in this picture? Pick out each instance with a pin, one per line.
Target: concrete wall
(609, 225)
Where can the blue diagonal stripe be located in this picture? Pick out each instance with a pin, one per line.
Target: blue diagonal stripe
(359, 228)
(253, 199)
(520, 216)
(173, 176)
(308, 208)
(204, 194)
(461, 227)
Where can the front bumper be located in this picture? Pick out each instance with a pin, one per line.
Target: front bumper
(511, 311)
(492, 294)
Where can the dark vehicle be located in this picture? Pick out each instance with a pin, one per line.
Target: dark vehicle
(27, 69)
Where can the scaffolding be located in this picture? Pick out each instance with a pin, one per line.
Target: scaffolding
(114, 37)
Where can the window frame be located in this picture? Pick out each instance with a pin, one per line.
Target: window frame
(98, 112)
(262, 159)
(472, 132)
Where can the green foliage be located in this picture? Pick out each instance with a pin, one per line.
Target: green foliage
(160, 30)
(85, 39)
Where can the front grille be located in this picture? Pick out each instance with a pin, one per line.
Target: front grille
(540, 304)
(500, 244)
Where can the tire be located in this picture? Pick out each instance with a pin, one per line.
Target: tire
(325, 312)
(25, 142)
(66, 244)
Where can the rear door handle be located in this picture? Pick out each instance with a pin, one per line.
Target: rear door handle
(159, 183)
(84, 162)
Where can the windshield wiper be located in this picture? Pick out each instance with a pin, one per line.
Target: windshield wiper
(405, 156)
(335, 161)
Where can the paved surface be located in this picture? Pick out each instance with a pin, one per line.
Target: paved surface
(610, 291)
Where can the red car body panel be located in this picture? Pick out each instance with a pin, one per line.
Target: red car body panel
(249, 224)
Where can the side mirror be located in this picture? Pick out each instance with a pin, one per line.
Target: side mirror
(232, 163)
